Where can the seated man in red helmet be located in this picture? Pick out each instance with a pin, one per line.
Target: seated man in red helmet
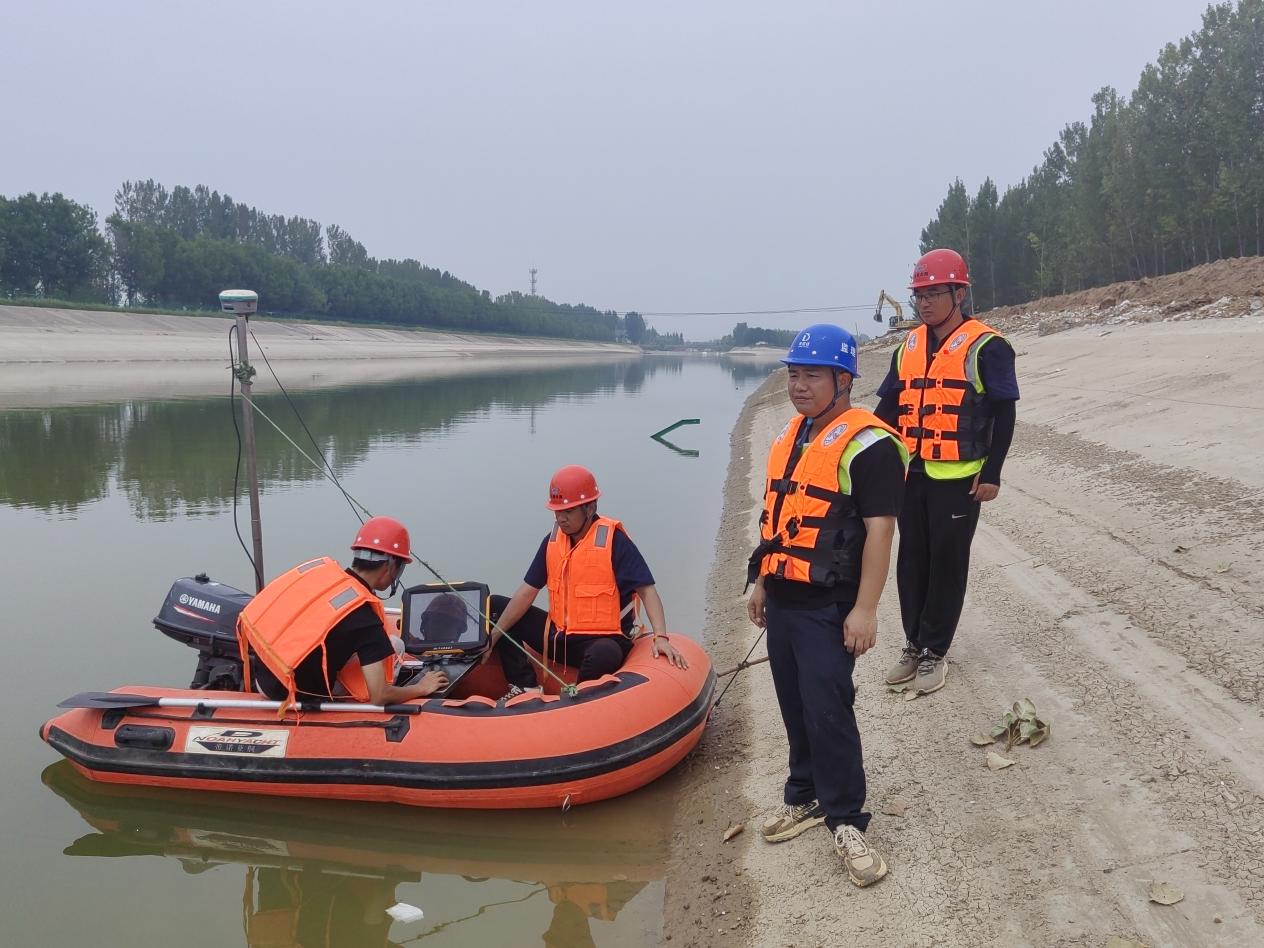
(595, 576)
(319, 631)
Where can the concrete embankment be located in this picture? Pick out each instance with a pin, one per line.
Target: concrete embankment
(1116, 583)
(58, 357)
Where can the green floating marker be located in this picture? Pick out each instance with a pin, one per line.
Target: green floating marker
(683, 452)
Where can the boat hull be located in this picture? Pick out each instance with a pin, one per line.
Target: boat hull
(616, 735)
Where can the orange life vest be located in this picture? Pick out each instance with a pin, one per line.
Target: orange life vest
(592, 898)
(810, 529)
(944, 415)
(583, 594)
(293, 614)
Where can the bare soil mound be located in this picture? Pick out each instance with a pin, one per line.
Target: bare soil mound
(1215, 290)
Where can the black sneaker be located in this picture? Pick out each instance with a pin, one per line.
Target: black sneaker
(515, 690)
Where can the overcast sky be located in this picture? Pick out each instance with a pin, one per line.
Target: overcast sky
(658, 156)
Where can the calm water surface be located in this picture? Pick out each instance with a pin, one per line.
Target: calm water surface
(101, 508)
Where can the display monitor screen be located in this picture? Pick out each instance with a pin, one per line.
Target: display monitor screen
(438, 617)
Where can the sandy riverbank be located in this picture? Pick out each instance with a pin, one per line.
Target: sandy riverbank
(1117, 584)
(52, 357)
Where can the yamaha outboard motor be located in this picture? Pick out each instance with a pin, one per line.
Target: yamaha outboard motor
(203, 614)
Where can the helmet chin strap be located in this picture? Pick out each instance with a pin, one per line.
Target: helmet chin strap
(956, 307)
(838, 393)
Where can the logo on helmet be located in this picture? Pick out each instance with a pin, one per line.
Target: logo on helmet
(555, 493)
(957, 340)
(834, 434)
(804, 339)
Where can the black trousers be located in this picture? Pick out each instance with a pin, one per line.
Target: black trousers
(937, 525)
(811, 672)
(593, 655)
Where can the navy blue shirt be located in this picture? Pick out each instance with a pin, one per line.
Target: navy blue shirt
(630, 570)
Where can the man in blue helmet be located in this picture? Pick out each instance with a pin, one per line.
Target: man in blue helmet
(832, 495)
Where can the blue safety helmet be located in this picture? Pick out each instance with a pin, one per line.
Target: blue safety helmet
(824, 344)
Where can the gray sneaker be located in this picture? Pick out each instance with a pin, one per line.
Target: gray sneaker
(906, 668)
(789, 821)
(932, 669)
(864, 865)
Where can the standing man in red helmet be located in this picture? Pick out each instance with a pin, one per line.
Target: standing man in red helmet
(951, 390)
(595, 576)
(832, 494)
(320, 632)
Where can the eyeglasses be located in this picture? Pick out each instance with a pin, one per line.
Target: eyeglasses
(927, 295)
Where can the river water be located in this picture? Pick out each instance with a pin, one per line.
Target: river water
(102, 507)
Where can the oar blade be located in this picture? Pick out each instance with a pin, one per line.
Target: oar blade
(107, 699)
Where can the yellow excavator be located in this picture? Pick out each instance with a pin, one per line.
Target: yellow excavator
(896, 320)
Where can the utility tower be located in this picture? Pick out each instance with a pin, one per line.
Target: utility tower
(534, 271)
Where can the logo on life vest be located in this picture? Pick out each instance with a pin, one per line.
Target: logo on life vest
(912, 342)
(834, 434)
(203, 604)
(785, 430)
(957, 340)
(228, 740)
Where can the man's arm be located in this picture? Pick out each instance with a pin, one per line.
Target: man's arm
(660, 644)
(860, 628)
(517, 606)
(1002, 437)
(382, 693)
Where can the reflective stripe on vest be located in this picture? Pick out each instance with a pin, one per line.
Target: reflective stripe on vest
(945, 418)
(292, 615)
(810, 530)
(583, 594)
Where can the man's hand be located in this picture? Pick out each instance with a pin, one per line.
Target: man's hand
(984, 492)
(860, 630)
(755, 605)
(660, 645)
(491, 644)
(432, 681)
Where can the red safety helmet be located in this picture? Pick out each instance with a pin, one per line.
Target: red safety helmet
(381, 537)
(940, 267)
(571, 486)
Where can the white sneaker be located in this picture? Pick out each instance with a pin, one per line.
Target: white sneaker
(864, 865)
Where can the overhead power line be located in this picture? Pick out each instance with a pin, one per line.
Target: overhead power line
(788, 311)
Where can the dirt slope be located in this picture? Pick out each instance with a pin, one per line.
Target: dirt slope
(1117, 583)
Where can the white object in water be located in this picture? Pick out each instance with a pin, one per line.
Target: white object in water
(403, 912)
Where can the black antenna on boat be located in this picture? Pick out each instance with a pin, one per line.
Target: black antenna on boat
(242, 304)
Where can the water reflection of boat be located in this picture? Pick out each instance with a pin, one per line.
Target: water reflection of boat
(318, 871)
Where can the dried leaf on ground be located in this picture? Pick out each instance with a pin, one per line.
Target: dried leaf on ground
(1019, 725)
(895, 808)
(983, 740)
(1025, 710)
(996, 762)
(911, 695)
(1165, 893)
(733, 830)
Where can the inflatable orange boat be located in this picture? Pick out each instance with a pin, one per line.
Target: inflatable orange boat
(602, 739)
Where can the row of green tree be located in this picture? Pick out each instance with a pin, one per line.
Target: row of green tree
(743, 335)
(177, 249)
(1171, 178)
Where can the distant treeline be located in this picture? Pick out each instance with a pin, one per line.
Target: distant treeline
(744, 335)
(177, 249)
(1172, 178)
